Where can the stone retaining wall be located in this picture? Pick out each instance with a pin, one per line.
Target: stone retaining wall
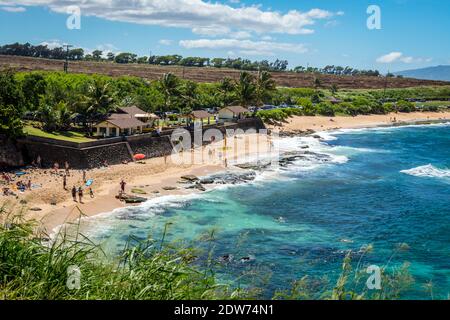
(114, 150)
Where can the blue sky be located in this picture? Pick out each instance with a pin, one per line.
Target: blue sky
(413, 34)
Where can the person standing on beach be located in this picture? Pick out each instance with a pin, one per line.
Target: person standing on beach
(65, 182)
(91, 193)
(39, 161)
(56, 167)
(66, 167)
(84, 176)
(74, 194)
(80, 194)
(122, 185)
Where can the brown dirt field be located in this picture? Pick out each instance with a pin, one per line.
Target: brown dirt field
(151, 72)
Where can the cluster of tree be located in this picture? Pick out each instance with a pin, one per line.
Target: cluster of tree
(43, 51)
(338, 70)
(60, 101)
(359, 106)
(10, 105)
(232, 63)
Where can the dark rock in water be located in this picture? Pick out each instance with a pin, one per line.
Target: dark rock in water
(191, 178)
(247, 259)
(304, 147)
(226, 258)
(230, 178)
(254, 166)
(207, 181)
(135, 200)
(200, 187)
(289, 157)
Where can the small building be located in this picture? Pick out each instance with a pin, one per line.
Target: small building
(125, 121)
(200, 116)
(119, 126)
(232, 113)
(147, 118)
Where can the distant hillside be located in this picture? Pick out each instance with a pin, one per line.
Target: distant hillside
(205, 74)
(439, 73)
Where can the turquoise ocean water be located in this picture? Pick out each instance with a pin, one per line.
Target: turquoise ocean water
(387, 187)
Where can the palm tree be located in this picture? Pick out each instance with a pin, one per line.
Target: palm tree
(264, 86)
(245, 89)
(98, 101)
(169, 85)
(225, 95)
(190, 95)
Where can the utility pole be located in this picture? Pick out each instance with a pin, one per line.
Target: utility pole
(66, 63)
(385, 85)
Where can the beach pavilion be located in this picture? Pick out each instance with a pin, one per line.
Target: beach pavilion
(119, 125)
(232, 113)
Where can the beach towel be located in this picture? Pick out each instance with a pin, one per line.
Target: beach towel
(89, 182)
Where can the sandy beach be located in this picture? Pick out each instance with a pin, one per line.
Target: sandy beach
(297, 124)
(49, 204)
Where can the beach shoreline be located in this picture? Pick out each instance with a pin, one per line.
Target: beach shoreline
(160, 177)
(305, 124)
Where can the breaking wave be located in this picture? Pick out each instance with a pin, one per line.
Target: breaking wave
(428, 171)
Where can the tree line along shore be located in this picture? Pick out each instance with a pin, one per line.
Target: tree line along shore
(57, 102)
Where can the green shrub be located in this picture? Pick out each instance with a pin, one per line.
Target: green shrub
(405, 106)
(326, 109)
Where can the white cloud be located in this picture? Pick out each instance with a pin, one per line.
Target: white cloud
(165, 42)
(400, 57)
(197, 15)
(54, 43)
(390, 57)
(13, 9)
(246, 47)
(331, 24)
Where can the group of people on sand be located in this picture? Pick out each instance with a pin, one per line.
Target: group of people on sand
(80, 192)
(8, 179)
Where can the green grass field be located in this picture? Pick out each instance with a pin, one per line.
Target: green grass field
(67, 135)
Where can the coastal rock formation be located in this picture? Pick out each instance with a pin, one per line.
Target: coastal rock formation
(190, 178)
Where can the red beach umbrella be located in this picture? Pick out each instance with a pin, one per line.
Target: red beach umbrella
(139, 156)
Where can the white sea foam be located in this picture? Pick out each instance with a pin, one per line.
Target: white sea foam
(105, 222)
(428, 171)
